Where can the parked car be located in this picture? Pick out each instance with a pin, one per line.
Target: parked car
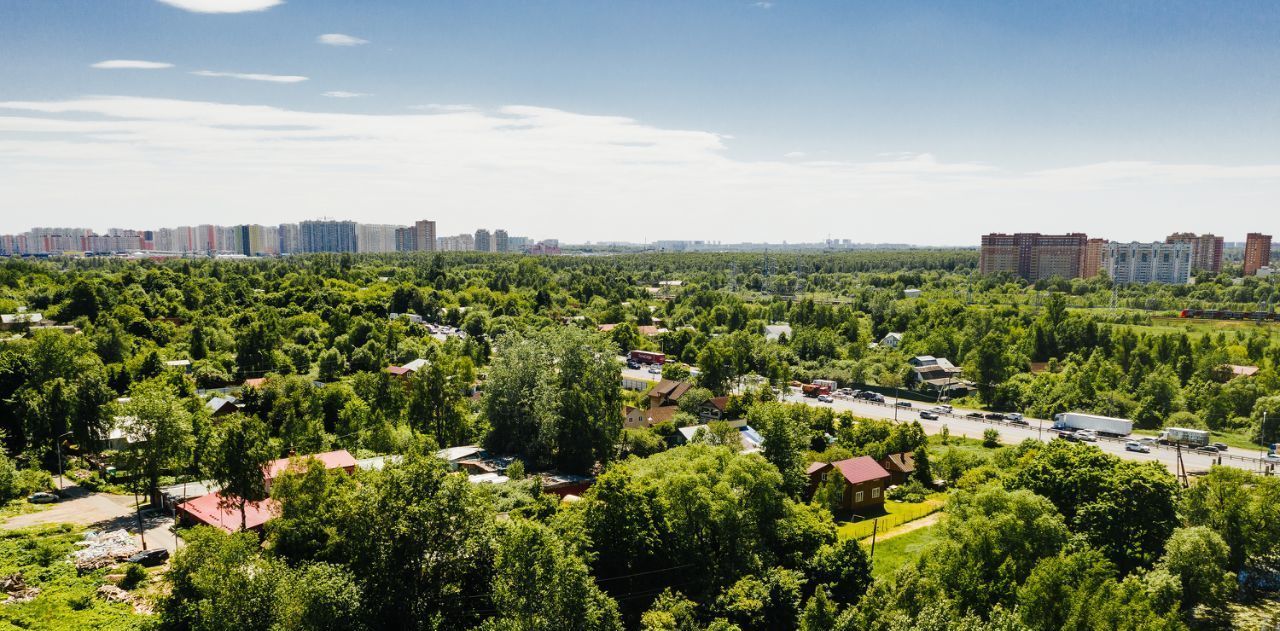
(42, 498)
(1013, 416)
(1220, 446)
(1133, 445)
(903, 404)
(825, 398)
(994, 416)
(655, 370)
(632, 364)
(926, 415)
(150, 558)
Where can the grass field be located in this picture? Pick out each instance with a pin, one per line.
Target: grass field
(1198, 328)
(894, 553)
(896, 514)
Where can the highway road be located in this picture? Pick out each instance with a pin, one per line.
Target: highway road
(1037, 429)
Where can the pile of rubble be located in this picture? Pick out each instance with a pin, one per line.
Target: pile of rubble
(103, 549)
(114, 594)
(16, 590)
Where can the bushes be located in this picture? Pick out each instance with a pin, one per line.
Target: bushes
(912, 492)
(15, 484)
(134, 575)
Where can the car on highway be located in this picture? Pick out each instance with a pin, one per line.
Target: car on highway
(1087, 435)
(1206, 449)
(825, 398)
(994, 416)
(1013, 416)
(1017, 421)
(973, 415)
(655, 370)
(1220, 446)
(903, 404)
(1133, 445)
(1272, 458)
(633, 364)
(945, 409)
(926, 415)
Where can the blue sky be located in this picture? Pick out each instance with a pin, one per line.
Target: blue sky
(634, 120)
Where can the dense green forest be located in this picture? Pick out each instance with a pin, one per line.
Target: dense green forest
(1034, 536)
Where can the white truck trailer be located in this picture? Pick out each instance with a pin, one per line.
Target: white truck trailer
(1184, 437)
(1099, 424)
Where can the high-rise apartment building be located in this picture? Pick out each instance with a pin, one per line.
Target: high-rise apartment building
(1257, 252)
(483, 242)
(457, 243)
(258, 240)
(1148, 262)
(1091, 257)
(500, 240)
(1206, 249)
(425, 230)
(1033, 256)
(327, 236)
(376, 237)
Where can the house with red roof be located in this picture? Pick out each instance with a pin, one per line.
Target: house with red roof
(209, 511)
(864, 480)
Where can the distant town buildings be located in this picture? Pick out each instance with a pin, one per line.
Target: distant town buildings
(483, 241)
(1206, 250)
(1091, 258)
(1033, 256)
(265, 240)
(1257, 252)
(328, 236)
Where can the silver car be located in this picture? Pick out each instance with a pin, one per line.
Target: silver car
(1133, 445)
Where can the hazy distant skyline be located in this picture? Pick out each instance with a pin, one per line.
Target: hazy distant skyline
(906, 122)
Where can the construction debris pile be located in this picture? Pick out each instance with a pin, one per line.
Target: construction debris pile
(16, 590)
(103, 549)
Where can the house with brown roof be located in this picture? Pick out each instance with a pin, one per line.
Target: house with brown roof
(667, 392)
(900, 467)
(864, 481)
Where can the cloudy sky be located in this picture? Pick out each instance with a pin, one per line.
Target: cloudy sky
(903, 121)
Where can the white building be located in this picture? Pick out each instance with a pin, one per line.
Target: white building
(1128, 263)
(376, 237)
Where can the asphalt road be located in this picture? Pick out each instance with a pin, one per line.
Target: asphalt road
(1037, 429)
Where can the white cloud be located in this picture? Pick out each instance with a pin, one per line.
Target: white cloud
(763, 5)
(130, 64)
(252, 76)
(339, 39)
(443, 107)
(342, 94)
(141, 162)
(223, 6)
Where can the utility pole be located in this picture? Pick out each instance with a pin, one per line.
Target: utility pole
(875, 526)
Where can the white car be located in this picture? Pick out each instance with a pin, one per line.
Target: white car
(655, 370)
(1133, 445)
(1087, 435)
(1013, 416)
(1271, 458)
(825, 398)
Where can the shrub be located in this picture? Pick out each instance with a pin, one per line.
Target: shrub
(30, 481)
(134, 575)
(990, 438)
(911, 492)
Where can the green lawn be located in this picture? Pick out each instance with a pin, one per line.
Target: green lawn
(66, 601)
(894, 553)
(961, 443)
(1198, 328)
(895, 514)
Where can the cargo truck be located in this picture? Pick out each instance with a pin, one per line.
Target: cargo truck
(813, 390)
(1100, 424)
(829, 384)
(647, 357)
(1184, 437)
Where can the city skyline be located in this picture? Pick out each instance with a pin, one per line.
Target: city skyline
(729, 121)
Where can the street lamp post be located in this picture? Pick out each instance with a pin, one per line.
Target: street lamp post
(57, 443)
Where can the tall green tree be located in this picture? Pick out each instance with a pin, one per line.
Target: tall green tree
(237, 461)
(160, 426)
